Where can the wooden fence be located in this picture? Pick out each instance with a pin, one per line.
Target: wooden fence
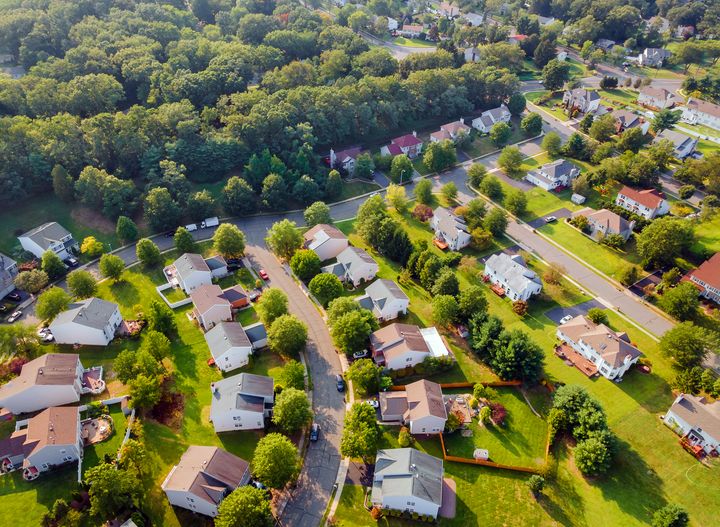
(485, 463)
(454, 385)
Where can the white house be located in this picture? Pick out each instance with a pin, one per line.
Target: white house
(658, 98)
(582, 100)
(399, 346)
(189, 272)
(488, 118)
(203, 477)
(257, 335)
(89, 322)
(345, 159)
(653, 57)
(217, 265)
(697, 421)
(353, 265)
(707, 278)
(450, 131)
(697, 111)
(406, 479)
(229, 345)
(211, 306)
(553, 175)
(326, 241)
(474, 19)
(610, 351)
(241, 402)
(411, 30)
(385, 299)
(625, 119)
(420, 406)
(647, 203)
(605, 222)
(8, 272)
(407, 144)
(510, 273)
(683, 145)
(49, 236)
(450, 229)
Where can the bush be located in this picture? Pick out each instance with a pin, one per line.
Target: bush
(498, 413)
(686, 191)
(422, 212)
(520, 307)
(597, 315)
(404, 438)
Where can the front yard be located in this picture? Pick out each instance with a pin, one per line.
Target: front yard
(483, 145)
(550, 106)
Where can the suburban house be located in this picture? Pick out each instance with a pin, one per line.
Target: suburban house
(605, 44)
(512, 276)
(411, 30)
(546, 20)
(353, 265)
(217, 265)
(582, 100)
(450, 131)
(660, 23)
(658, 98)
(345, 159)
(406, 479)
(203, 477)
(189, 272)
(472, 54)
(605, 222)
(407, 144)
(237, 296)
(8, 272)
(241, 402)
(611, 352)
(697, 111)
(257, 335)
(385, 299)
(488, 118)
(229, 345)
(399, 346)
(450, 229)
(625, 119)
(89, 322)
(211, 306)
(449, 10)
(516, 38)
(647, 203)
(53, 379)
(420, 406)
(707, 278)
(653, 57)
(696, 421)
(49, 236)
(684, 145)
(553, 175)
(326, 241)
(51, 438)
(474, 19)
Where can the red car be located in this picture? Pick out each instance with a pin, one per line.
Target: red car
(263, 274)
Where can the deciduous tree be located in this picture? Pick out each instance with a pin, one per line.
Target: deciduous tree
(325, 287)
(51, 303)
(148, 254)
(287, 335)
(284, 239)
(82, 284)
(292, 410)
(111, 266)
(229, 241)
(246, 506)
(275, 461)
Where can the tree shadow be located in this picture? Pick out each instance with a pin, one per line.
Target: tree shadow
(125, 293)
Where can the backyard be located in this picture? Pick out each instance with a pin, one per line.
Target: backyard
(550, 106)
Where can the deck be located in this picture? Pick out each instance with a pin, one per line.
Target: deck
(573, 358)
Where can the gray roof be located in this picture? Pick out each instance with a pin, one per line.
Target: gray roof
(513, 269)
(6, 263)
(495, 113)
(337, 269)
(91, 312)
(190, 262)
(656, 53)
(225, 336)
(449, 224)
(244, 391)
(256, 332)
(216, 262)
(355, 256)
(408, 472)
(698, 413)
(677, 139)
(555, 170)
(47, 234)
(582, 93)
(382, 289)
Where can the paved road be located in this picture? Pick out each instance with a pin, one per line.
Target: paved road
(397, 51)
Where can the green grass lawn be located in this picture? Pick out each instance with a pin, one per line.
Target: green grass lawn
(412, 42)
(550, 106)
(420, 167)
(351, 189)
(577, 68)
(174, 294)
(483, 145)
(246, 316)
(707, 235)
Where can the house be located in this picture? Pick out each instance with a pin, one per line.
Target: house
(89, 322)
(516, 39)
(450, 229)
(647, 203)
(605, 44)
(8, 272)
(229, 346)
(189, 272)
(472, 54)
(562, 56)
(553, 175)
(653, 57)
(392, 24)
(217, 265)
(411, 30)
(488, 118)
(345, 159)
(696, 421)
(407, 144)
(605, 222)
(420, 406)
(451, 131)
(241, 402)
(546, 20)
(660, 23)
(658, 98)
(697, 111)
(49, 237)
(399, 346)
(326, 241)
(237, 297)
(625, 119)
(449, 10)
(385, 299)
(203, 477)
(53, 379)
(51, 438)
(684, 32)
(707, 278)
(511, 274)
(610, 351)
(353, 265)
(257, 335)
(211, 306)
(581, 100)
(406, 479)
(474, 19)
(684, 145)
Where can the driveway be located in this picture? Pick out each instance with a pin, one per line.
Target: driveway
(360, 474)
(556, 314)
(560, 214)
(654, 279)
(449, 496)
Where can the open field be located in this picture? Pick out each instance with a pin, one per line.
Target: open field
(411, 42)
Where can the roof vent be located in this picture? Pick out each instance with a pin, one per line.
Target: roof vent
(40, 371)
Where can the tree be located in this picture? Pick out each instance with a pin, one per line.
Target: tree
(554, 273)
(238, 197)
(156, 344)
(518, 357)
(161, 318)
(628, 275)
(687, 344)
(361, 433)
(631, 139)
(125, 229)
(333, 185)
(82, 284)
(472, 301)
(184, 241)
(688, 53)
(449, 191)
(665, 119)
(365, 375)
(492, 188)
(446, 283)
(671, 515)
(663, 240)
(52, 265)
(325, 287)
(516, 104)
(586, 122)
(500, 133)
(445, 310)
(552, 143)
(275, 461)
(246, 506)
(510, 160)
(681, 301)
(364, 166)
(423, 191)
(292, 410)
(272, 304)
(229, 241)
(340, 306)
(111, 266)
(283, 238)
(305, 263)
(496, 222)
(148, 254)
(544, 53)
(576, 146)
(555, 74)
(476, 173)
(536, 484)
(287, 335)
(532, 124)
(520, 307)
(161, 210)
(597, 315)
(51, 303)
(200, 205)
(92, 247)
(111, 490)
(592, 456)
(516, 202)
(31, 281)
(63, 183)
(438, 156)
(603, 128)
(316, 214)
(145, 391)
(401, 169)
(292, 375)
(396, 197)
(350, 332)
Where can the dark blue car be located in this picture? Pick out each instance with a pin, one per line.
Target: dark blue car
(340, 383)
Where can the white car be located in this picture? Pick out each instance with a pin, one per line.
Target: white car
(374, 403)
(43, 331)
(48, 337)
(360, 354)
(566, 319)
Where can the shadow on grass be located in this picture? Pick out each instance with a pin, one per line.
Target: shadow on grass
(125, 293)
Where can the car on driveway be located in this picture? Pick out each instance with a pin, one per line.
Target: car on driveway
(15, 297)
(566, 319)
(71, 262)
(550, 219)
(374, 403)
(16, 314)
(263, 274)
(360, 354)
(340, 383)
(314, 432)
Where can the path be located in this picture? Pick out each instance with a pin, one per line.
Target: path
(397, 51)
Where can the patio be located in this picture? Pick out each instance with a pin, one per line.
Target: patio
(573, 358)
(92, 381)
(96, 430)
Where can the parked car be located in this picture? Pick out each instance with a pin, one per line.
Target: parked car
(16, 314)
(550, 219)
(374, 403)
(314, 432)
(190, 227)
(13, 296)
(71, 261)
(360, 354)
(169, 234)
(209, 222)
(263, 274)
(48, 337)
(566, 319)
(255, 483)
(42, 331)
(340, 382)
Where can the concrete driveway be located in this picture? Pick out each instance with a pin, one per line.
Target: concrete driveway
(556, 314)
(560, 214)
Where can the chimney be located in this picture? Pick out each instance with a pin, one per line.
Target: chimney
(332, 157)
(462, 120)
(414, 133)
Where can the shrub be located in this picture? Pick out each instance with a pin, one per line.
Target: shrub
(422, 212)
(597, 315)
(520, 307)
(404, 438)
(498, 413)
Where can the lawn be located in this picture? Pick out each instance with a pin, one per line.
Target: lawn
(412, 42)
(483, 145)
(175, 294)
(246, 316)
(420, 167)
(351, 189)
(707, 235)
(550, 106)
(577, 68)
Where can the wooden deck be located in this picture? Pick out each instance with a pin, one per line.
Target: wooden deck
(572, 357)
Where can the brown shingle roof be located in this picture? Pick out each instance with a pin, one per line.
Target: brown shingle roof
(657, 93)
(651, 198)
(50, 369)
(610, 345)
(54, 426)
(206, 296)
(425, 398)
(703, 106)
(330, 230)
(614, 223)
(396, 339)
(698, 413)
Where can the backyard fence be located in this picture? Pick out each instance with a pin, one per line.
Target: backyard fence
(172, 305)
(454, 385)
(485, 463)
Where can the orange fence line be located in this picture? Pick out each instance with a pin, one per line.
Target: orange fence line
(451, 385)
(483, 462)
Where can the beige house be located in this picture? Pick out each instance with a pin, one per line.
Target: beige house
(211, 306)
(658, 98)
(399, 346)
(605, 222)
(420, 406)
(326, 241)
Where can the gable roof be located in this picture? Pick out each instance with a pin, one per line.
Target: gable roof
(650, 198)
(256, 332)
(656, 53)
(355, 256)
(703, 106)
(455, 127)
(612, 346)
(57, 425)
(425, 398)
(614, 223)
(189, 262)
(413, 27)
(52, 369)
(406, 140)
(225, 336)
(657, 93)
(397, 339)
(698, 413)
(348, 153)
(234, 293)
(513, 269)
(320, 233)
(383, 289)
(449, 224)
(441, 135)
(676, 138)
(216, 262)
(47, 234)
(709, 271)
(92, 312)
(407, 472)
(244, 391)
(557, 169)
(586, 95)
(627, 118)
(207, 296)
